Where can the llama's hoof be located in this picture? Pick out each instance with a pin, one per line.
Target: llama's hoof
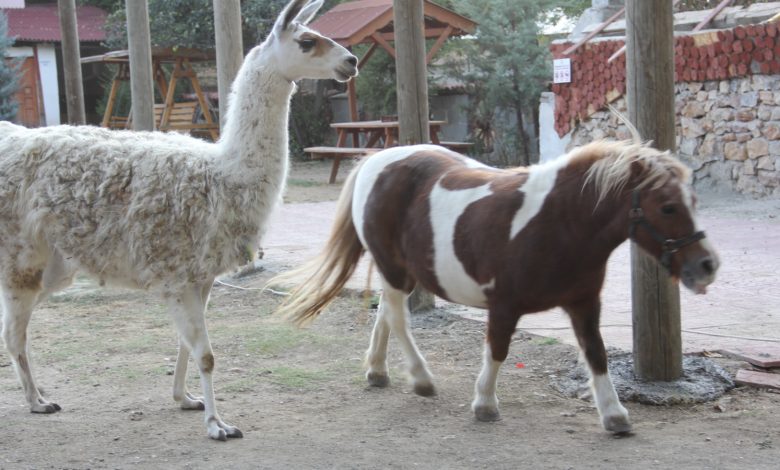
(617, 424)
(376, 379)
(218, 435)
(425, 390)
(233, 432)
(486, 414)
(45, 408)
(191, 402)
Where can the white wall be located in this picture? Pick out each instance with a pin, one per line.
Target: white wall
(20, 52)
(47, 66)
(550, 145)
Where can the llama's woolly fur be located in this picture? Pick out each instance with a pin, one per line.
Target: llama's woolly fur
(145, 209)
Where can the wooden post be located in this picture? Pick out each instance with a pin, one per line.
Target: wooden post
(140, 48)
(71, 62)
(650, 94)
(412, 86)
(230, 49)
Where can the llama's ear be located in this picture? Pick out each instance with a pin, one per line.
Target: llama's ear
(288, 15)
(308, 12)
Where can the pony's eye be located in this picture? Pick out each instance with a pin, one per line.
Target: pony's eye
(307, 44)
(668, 209)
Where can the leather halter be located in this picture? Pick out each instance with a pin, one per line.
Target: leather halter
(669, 246)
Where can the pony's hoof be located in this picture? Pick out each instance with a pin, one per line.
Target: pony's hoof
(425, 390)
(45, 408)
(617, 424)
(486, 414)
(375, 379)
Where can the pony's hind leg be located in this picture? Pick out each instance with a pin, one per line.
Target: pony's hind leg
(394, 313)
(188, 309)
(585, 321)
(499, 334)
(18, 304)
(376, 356)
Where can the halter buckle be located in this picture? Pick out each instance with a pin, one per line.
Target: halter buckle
(635, 213)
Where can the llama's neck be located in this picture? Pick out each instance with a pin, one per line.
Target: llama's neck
(254, 143)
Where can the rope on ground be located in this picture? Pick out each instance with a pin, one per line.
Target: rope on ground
(266, 289)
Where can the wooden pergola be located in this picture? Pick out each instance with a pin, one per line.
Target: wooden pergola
(169, 115)
(371, 22)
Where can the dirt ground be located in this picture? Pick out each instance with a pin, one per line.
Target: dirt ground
(107, 357)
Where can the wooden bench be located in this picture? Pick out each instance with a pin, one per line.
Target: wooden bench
(337, 154)
(183, 119)
(460, 147)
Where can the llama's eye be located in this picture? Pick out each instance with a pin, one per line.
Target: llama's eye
(307, 44)
(668, 209)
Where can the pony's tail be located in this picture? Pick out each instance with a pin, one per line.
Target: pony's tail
(326, 274)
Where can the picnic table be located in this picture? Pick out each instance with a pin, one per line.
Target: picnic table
(376, 135)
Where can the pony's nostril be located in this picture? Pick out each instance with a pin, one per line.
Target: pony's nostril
(707, 265)
(352, 61)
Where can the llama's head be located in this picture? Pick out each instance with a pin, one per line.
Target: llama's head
(303, 53)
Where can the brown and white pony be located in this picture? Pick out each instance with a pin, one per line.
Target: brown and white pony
(513, 241)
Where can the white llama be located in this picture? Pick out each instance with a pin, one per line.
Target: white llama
(162, 212)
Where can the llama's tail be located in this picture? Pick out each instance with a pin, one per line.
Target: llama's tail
(326, 274)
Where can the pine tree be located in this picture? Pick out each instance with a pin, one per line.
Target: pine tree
(8, 74)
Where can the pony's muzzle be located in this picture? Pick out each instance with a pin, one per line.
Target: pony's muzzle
(697, 274)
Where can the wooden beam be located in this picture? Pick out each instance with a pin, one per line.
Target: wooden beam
(715, 11)
(412, 88)
(384, 44)
(368, 54)
(596, 31)
(650, 97)
(620, 51)
(140, 49)
(439, 42)
(71, 62)
(230, 49)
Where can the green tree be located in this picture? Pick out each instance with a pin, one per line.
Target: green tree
(505, 66)
(8, 74)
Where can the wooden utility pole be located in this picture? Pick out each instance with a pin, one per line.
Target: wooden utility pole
(71, 61)
(650, 94)
(140, 48)
(230, 49)
(412, 88)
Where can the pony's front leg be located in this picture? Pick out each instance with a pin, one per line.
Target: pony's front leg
(395, 311)
(17, 310)
(188, 311)
(501, 325)
(585, 321)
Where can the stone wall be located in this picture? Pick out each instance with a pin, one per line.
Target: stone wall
(728, 132)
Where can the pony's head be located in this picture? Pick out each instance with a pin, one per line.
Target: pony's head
(661, 208)
(301, 52)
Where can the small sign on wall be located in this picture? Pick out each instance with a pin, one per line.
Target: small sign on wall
(561, 70)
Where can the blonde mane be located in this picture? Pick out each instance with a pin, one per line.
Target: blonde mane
(613, 161)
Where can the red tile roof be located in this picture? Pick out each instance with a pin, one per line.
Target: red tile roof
(42, 23)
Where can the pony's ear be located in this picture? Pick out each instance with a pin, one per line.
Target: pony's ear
(308, 12)
(288, 15)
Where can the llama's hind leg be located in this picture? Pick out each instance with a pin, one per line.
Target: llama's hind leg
(396, 313)
(17, 310)
(181, 395)
(188, 311)
(585, 321)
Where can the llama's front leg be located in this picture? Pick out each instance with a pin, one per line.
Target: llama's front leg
(17, 310)
(585, 321)
(180, 393)
(188, 311)
(500, 327)
(396, 312)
